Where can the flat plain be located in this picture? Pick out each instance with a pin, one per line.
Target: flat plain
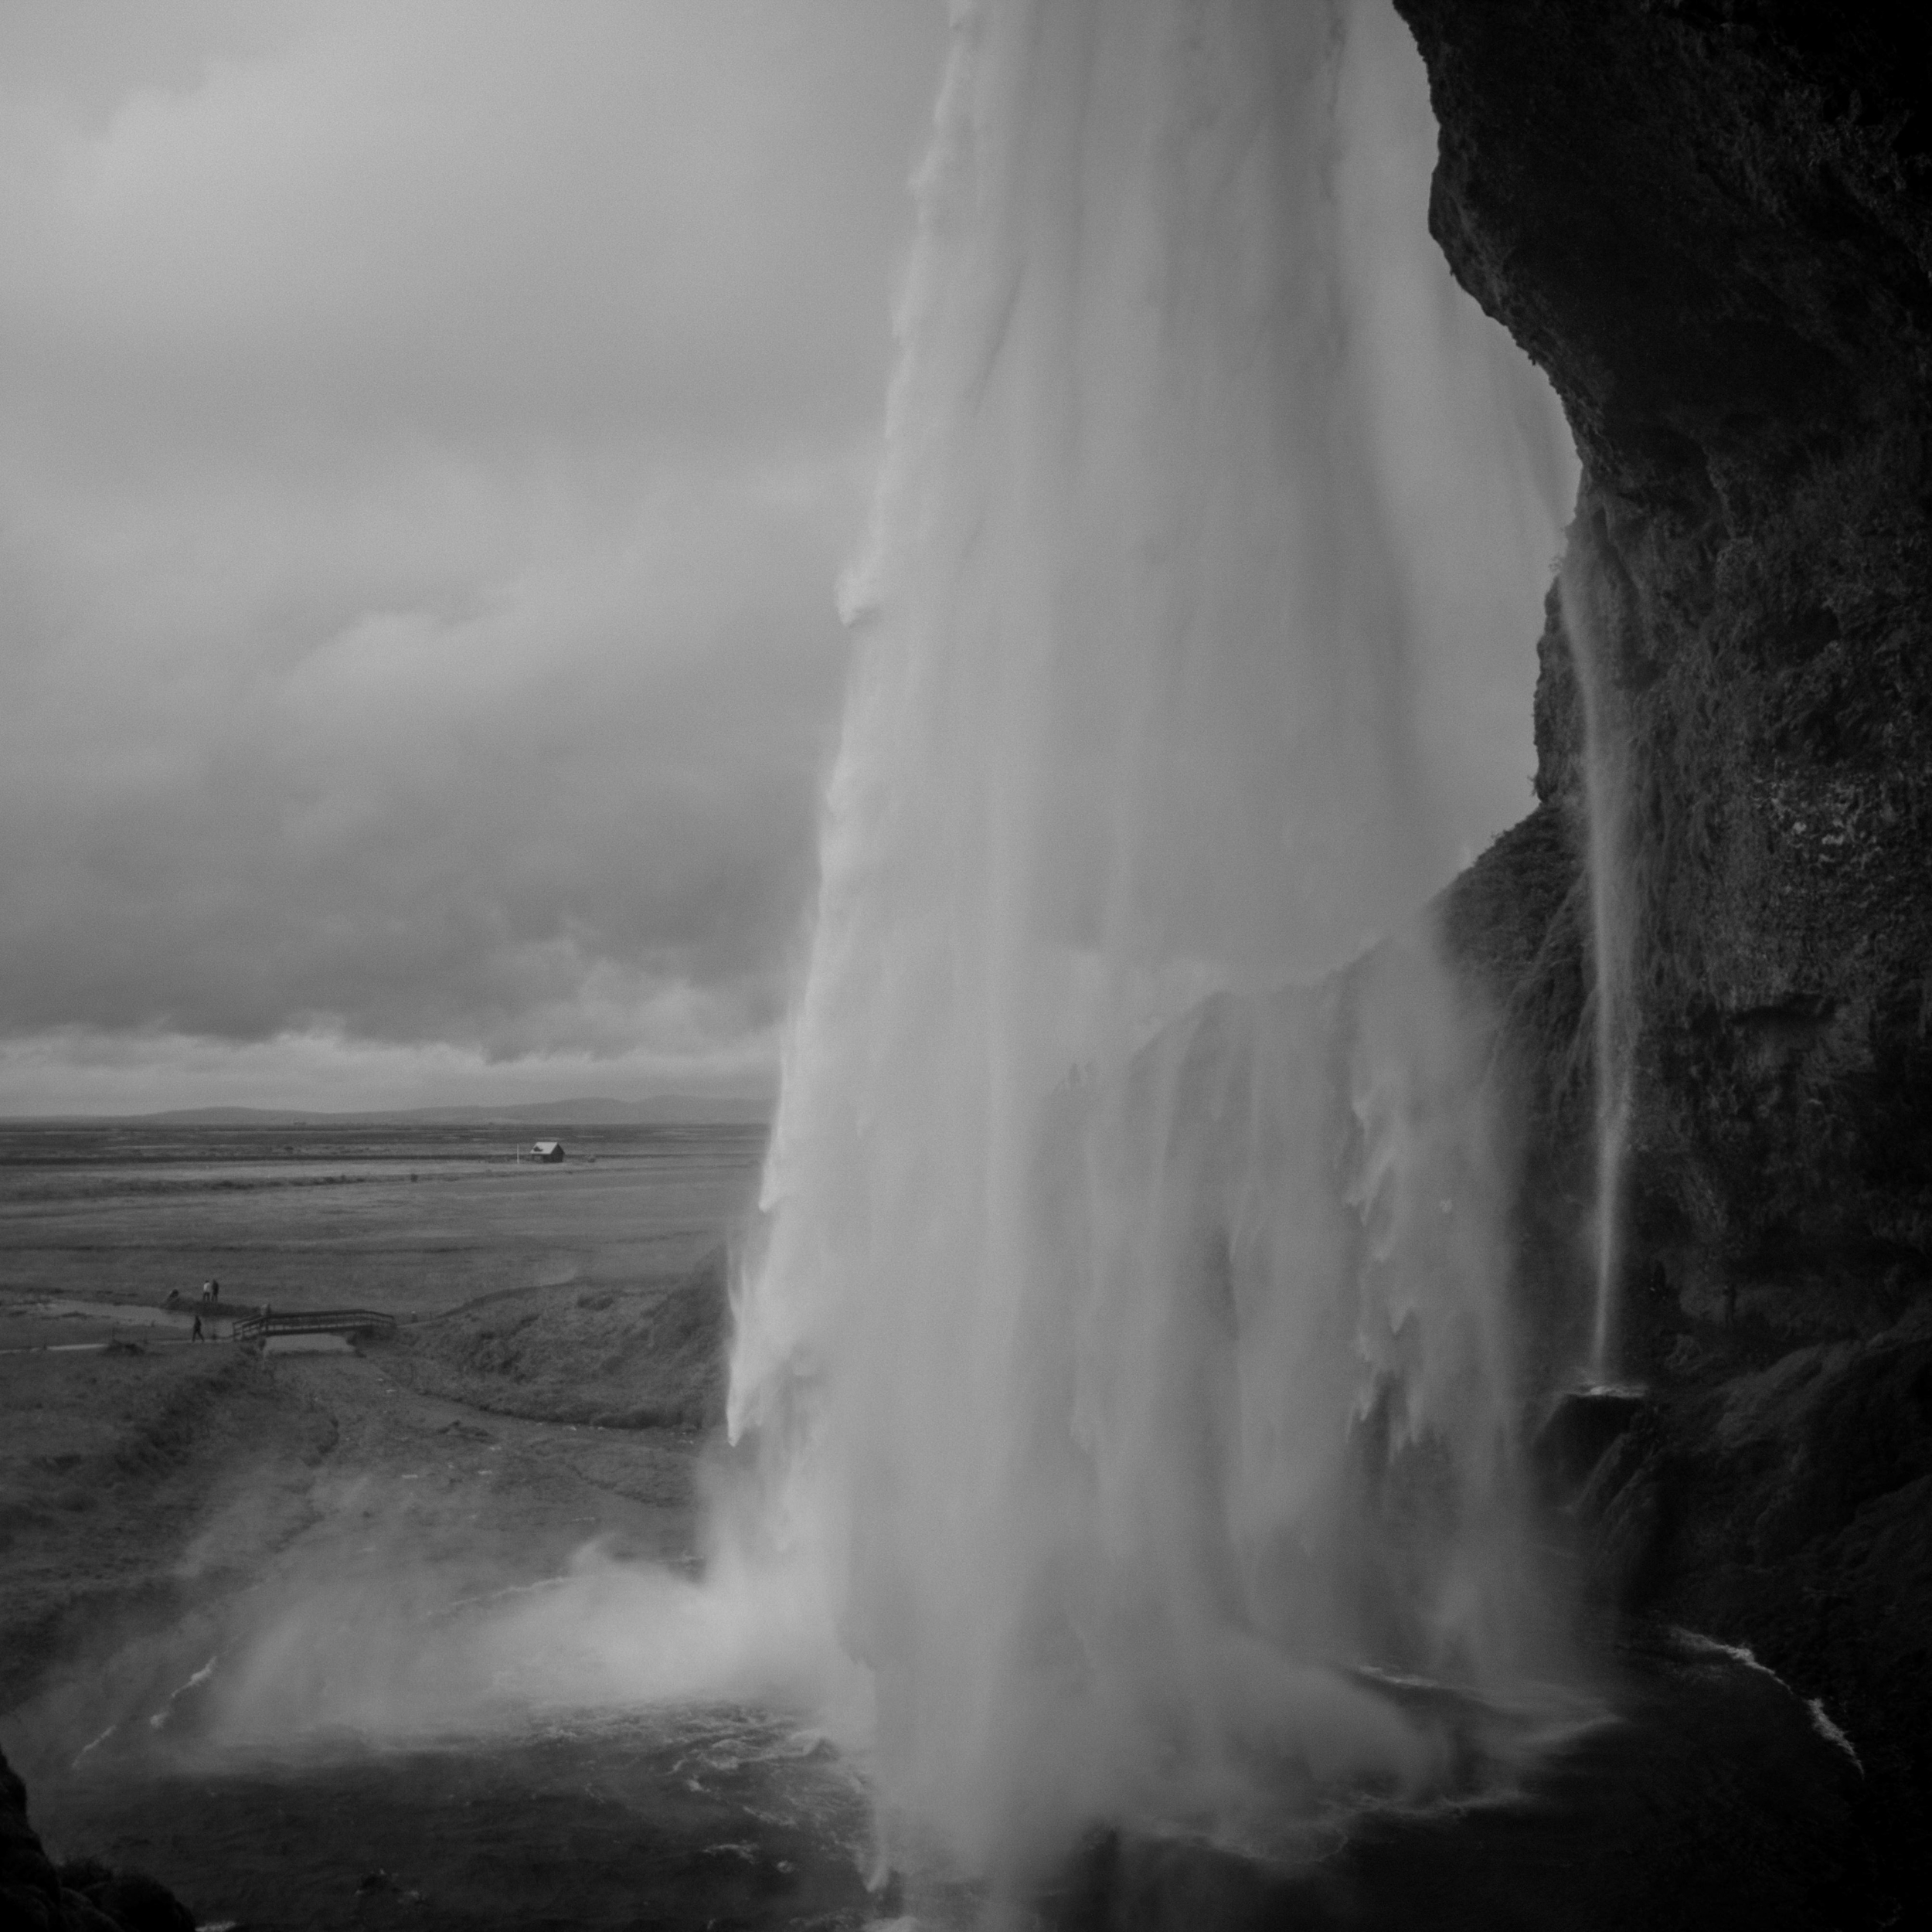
(409, 1221)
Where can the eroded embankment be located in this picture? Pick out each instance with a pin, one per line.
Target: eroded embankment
(639, 1355)
(110, 1466)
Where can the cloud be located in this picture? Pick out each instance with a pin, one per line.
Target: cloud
(422, 817)
(428, 437)
(481, 223)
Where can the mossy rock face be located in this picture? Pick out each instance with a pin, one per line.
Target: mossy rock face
(1710, 222)
(1712, 225)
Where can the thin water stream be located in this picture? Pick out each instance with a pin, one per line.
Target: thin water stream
(1612, 996)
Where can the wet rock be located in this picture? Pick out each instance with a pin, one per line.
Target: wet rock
(1581, 1425)
(78, 1874)
(1793, 1516)
(136, 1902)
(82, 1895)
(1606, 1470)
(1628, 1510)
(29, 1886)
(79, 1913)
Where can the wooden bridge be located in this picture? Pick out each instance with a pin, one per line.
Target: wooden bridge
(315, 1321)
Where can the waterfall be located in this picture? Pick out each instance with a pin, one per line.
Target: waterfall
(1588, 628)
(1128, 1353)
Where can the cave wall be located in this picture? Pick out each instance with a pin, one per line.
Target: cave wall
(1711, 225)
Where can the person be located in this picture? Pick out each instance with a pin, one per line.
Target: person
(197, 1336)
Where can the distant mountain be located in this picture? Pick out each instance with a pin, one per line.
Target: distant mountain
(665, 1110)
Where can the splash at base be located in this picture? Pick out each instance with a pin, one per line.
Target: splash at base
(1131, 1354)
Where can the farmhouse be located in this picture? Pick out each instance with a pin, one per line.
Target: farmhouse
(547, 1150)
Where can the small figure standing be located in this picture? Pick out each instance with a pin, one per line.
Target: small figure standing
(197, 1336)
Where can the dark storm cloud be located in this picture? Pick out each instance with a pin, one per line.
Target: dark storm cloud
(427, 438)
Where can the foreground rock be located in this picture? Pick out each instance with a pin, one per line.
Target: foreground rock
(1789, 1509)
(84, 1896)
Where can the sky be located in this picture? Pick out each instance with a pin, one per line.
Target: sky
(429, 438)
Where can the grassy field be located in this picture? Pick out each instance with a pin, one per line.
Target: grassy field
(409, 1223)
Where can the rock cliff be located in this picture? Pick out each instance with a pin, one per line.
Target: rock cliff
(1710, 222)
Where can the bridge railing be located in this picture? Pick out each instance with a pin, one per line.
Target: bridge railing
(315, 1321)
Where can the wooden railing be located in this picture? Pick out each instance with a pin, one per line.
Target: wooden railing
(315, 1321)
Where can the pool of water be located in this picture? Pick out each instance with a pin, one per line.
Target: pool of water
(693, 1818)
(1711, 1797)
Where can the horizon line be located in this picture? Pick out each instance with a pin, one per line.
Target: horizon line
(739, 1103)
